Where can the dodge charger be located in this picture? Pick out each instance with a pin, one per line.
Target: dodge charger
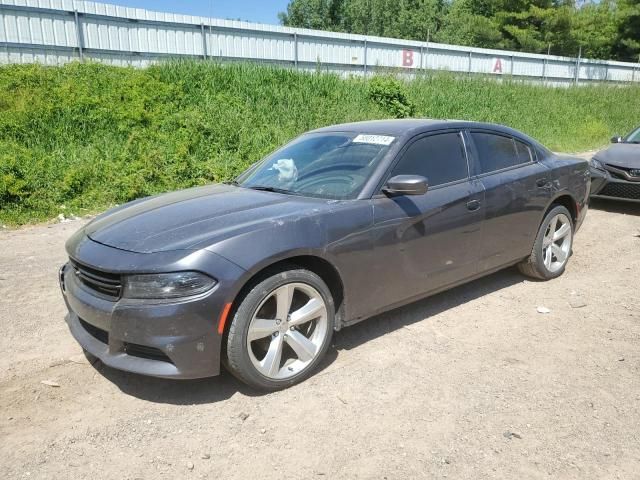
(338, 225)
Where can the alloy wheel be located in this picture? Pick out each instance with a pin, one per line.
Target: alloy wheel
(556, 244)
(287, 330)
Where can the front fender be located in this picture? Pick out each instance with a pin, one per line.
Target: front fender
(278, 240)
(339, 236)
(275, 240)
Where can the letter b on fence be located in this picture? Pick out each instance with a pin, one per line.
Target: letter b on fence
(407, 58)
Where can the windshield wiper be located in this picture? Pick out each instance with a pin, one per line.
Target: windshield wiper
(232, 182)
(267, 188)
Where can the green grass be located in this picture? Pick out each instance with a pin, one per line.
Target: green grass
(82, 137)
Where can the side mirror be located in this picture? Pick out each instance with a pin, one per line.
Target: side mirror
(406, 185)
(616, 139)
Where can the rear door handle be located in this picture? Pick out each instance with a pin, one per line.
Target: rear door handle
(473, 205)
(541, 182)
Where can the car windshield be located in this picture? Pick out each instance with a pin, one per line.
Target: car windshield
(634, 137)
(331, 165)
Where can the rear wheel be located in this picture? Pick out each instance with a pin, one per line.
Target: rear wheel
(281, 330)
(552, 247)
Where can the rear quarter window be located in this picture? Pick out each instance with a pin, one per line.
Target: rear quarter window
(523, 152)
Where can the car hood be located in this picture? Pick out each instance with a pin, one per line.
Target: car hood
(625, 155)
(194, 218)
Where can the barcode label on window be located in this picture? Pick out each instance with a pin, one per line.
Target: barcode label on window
(374, 139)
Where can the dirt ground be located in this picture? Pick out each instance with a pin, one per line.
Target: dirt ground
(470, 384)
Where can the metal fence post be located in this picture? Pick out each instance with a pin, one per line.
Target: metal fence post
(365, 58)
(295, 49)
(426, 58)
(79, 35)
(426, 54)
(212, 54)
(578, 65)
(511, 69)
(470, 57)
(545, 62)
(203, 32)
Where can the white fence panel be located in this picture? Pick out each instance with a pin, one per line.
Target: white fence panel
(37, 28)
(440, 59)
(260, 46)
(58, 31)
(618, 72)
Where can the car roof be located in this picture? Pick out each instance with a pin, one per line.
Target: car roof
(408, 127)
(400, 127)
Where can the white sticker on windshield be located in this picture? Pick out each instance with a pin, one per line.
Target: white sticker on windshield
(374, 139)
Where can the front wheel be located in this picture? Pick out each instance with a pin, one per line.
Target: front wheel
(281, 330)
(552, 247)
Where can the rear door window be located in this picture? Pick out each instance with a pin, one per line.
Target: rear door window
(496, 152)
(439, 158)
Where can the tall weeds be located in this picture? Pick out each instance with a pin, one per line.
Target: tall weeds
(81, 137)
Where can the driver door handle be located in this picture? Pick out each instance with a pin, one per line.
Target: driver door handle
(473, 205)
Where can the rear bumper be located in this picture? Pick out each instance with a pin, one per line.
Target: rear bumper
(170, 339)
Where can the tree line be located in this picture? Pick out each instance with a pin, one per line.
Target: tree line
(605, 29)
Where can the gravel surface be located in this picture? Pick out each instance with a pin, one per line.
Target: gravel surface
(472, 383)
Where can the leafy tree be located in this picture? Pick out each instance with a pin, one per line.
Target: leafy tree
(412, 19)
(534, 29)
(316, 14)
(595, 30)
(465, 24)
(603, 29)
(627, 40)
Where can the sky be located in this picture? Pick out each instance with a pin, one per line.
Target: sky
(261, 11)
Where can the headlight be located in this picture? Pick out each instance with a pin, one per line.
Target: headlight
(595, 163)
(167, 285)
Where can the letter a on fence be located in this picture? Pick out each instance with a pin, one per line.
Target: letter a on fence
(497, 66)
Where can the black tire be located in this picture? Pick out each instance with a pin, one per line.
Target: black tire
(238, 360)
(534, 266)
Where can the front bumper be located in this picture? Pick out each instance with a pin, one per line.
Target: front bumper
(170, 339)
(604, 185)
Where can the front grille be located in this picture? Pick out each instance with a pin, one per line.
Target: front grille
(105, 284)
(142, 351)
(95, 332)
(623, 173)
(629, 191)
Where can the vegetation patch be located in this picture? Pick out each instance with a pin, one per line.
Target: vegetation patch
(391, 95)
(78, 138)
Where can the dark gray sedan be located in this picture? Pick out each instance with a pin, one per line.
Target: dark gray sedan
(340, 224)
(615, 170)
